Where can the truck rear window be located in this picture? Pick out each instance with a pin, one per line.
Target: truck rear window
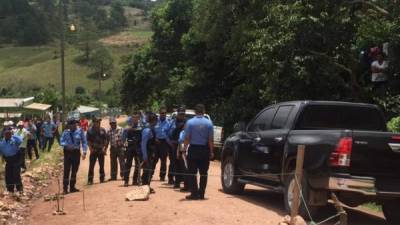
(340, 117)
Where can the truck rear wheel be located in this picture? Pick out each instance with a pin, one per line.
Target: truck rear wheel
(391, 212)
(229, 181)
(289, 195)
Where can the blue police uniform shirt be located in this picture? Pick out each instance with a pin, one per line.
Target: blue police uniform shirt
(146, 136)
(10, 147)
(124, 135)
(181, 137)
(199, 129)
(48, 128)
(77, 139)
(162, 129)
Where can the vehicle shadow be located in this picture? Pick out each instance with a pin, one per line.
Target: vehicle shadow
(263, 198)
(274, 201)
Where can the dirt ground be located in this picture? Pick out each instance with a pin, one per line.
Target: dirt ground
(105, 204)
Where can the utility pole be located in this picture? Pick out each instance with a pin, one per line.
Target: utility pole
(101, 74)
(62, 48)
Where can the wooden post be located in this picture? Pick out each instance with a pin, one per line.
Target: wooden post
(339, 208)
(297, 188)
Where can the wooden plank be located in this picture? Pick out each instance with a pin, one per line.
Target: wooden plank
(299, 174)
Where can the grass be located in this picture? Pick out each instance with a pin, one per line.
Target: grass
(39, 66)
(31, 67)
(373, 206)
(51, 158)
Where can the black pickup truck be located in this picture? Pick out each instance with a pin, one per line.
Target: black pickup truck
(348, 152)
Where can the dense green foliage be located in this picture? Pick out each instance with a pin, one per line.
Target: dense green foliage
(394, 125)
(239, 56)
(36, 22)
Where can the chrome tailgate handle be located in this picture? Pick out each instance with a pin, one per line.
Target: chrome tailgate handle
(395, 147)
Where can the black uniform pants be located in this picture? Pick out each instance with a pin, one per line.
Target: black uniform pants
(148, 168)
(13, 173)
(179, 167)
(23, 153)
(57, 136)
(32, 145)
(181, 171)
(94, 156)
(132, 154)
(162, 150)
(117, 156)
(198, 162)
(172, 163)
(72, 159)
(48, 143)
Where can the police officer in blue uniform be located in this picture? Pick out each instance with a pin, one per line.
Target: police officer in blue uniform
(72, 140)
(9, 149)
(132, 136)
(199, 137)
(148, 148)
(163, 144)
(176, 168)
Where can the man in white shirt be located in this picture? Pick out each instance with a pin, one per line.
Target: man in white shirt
(378, 68)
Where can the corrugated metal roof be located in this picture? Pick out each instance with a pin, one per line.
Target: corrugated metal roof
(86, 109)
(38, 106)
(10, 115)
(14, 102)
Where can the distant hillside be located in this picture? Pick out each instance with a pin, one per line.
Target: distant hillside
(30, 67)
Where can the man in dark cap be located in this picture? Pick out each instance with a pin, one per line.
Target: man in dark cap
(97, 139)
(9, 148)
(114, 140)
(148, 147)
(72, 140)
(133, 136)
(176, 169)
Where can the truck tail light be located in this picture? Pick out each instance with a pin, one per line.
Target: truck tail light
(397, 138)
(222, 134)
(342, 154)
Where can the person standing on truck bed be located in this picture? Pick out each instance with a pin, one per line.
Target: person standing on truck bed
(199, 135)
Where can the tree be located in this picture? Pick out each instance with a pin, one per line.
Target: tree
(102, 64)
(101, 19)
(87, 39)
(250, 54)
(21, 22)
(159, 65)
(49, 95)
(101, 61)
(80, 90)
(117, 15)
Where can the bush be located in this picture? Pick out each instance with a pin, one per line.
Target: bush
(80, 90)
(394, 125)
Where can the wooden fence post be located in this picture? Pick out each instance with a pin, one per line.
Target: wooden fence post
(339, 208)
(297, 188)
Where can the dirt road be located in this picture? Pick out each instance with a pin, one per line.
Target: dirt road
(105, 204)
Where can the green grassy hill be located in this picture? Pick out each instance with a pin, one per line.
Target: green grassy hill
(27, 67)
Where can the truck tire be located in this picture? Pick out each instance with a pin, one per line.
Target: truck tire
(391, 211)
(230, 184)
(288, 197)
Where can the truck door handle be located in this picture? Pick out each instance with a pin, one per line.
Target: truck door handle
(257, 139)
(278, 139)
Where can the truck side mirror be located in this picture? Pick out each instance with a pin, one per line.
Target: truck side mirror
(240, 126)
